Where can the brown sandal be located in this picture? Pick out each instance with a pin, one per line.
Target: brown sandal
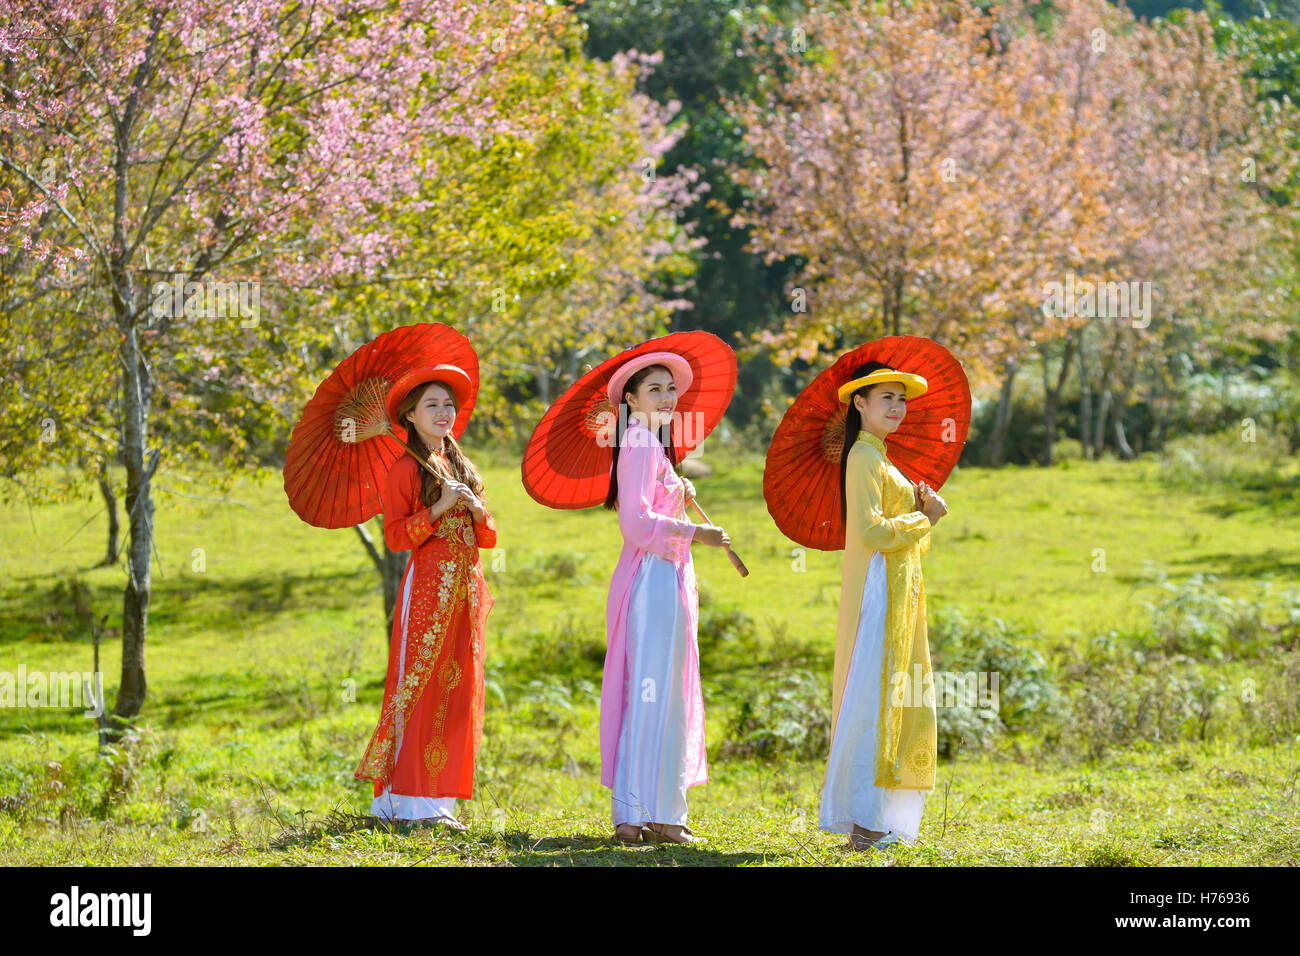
(860, 838)
(622, 835)
(654, 834)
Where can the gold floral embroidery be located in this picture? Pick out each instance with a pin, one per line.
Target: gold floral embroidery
(379, 758)
(457, 528)
(458, 576)
(448, 679)
(418, 527)
(435, 756)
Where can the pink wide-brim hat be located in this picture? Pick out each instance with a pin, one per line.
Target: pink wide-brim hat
(678, 367)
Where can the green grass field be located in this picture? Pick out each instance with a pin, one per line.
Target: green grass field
(1149, 716)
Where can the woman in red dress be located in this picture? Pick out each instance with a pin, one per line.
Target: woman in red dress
(421, 756)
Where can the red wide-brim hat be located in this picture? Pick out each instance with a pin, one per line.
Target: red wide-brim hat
(463, 388)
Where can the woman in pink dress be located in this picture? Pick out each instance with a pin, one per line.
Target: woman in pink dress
(651, 705)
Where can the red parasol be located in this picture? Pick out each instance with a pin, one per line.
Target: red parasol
(566, 465)
(801, 478)
(343, 445)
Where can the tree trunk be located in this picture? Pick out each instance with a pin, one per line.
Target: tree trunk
(137, 393)
(1121, 440)
(394, 564)
(544, 385)
(1002, 420)
(391, 565)
(1120, 405)
(110, 502)
(1085, 400)
(1162, 416)
(1106, 396)
(1052, 397)
(1099, 430)
(137, 388)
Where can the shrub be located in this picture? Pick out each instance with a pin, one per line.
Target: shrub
(724, 632)
(1273, 715)
(1120, 697)
(1194, 619)
(1225, 459)
(783, 714)
(1025, 692)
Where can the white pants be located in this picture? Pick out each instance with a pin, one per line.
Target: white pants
(850, 795)
(650, 763)
(398, 806)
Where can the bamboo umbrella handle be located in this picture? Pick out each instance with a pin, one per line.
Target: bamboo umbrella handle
(427, 467)
(735, 558)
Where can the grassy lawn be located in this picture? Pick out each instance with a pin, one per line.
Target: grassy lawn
(262, 630)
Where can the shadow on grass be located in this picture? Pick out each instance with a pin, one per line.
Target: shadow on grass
(1252, 566)
(606, 851)
(59, 612)
(512, 847)
(1282, 495)
(251, 700)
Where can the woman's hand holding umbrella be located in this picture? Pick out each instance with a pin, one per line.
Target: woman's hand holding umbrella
(455, 493)
(932, 504)
(470, 500)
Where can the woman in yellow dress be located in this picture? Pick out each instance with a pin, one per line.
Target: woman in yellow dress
(883, 731)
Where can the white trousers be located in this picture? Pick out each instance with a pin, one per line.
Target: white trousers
(650, 762)
(850, 794)
(398, 806)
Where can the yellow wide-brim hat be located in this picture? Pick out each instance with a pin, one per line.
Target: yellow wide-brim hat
(913, 385)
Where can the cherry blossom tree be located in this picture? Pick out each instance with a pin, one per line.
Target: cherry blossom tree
(172, 158)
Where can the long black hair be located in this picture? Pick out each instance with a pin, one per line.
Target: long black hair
(462, 469)
(664, 434)
(852, 426)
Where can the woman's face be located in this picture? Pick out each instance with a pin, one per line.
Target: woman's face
(433, 415)
(882, 408)
(654, 399)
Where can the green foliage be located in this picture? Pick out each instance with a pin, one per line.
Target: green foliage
(1026, 691)
(1225, 462)
(785, 714)
(246, 750)
(709, 53)
(1271, 706)
(551, 247)
(724, 630)
(550, 702)
(1193, 618)
(1119, 696)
